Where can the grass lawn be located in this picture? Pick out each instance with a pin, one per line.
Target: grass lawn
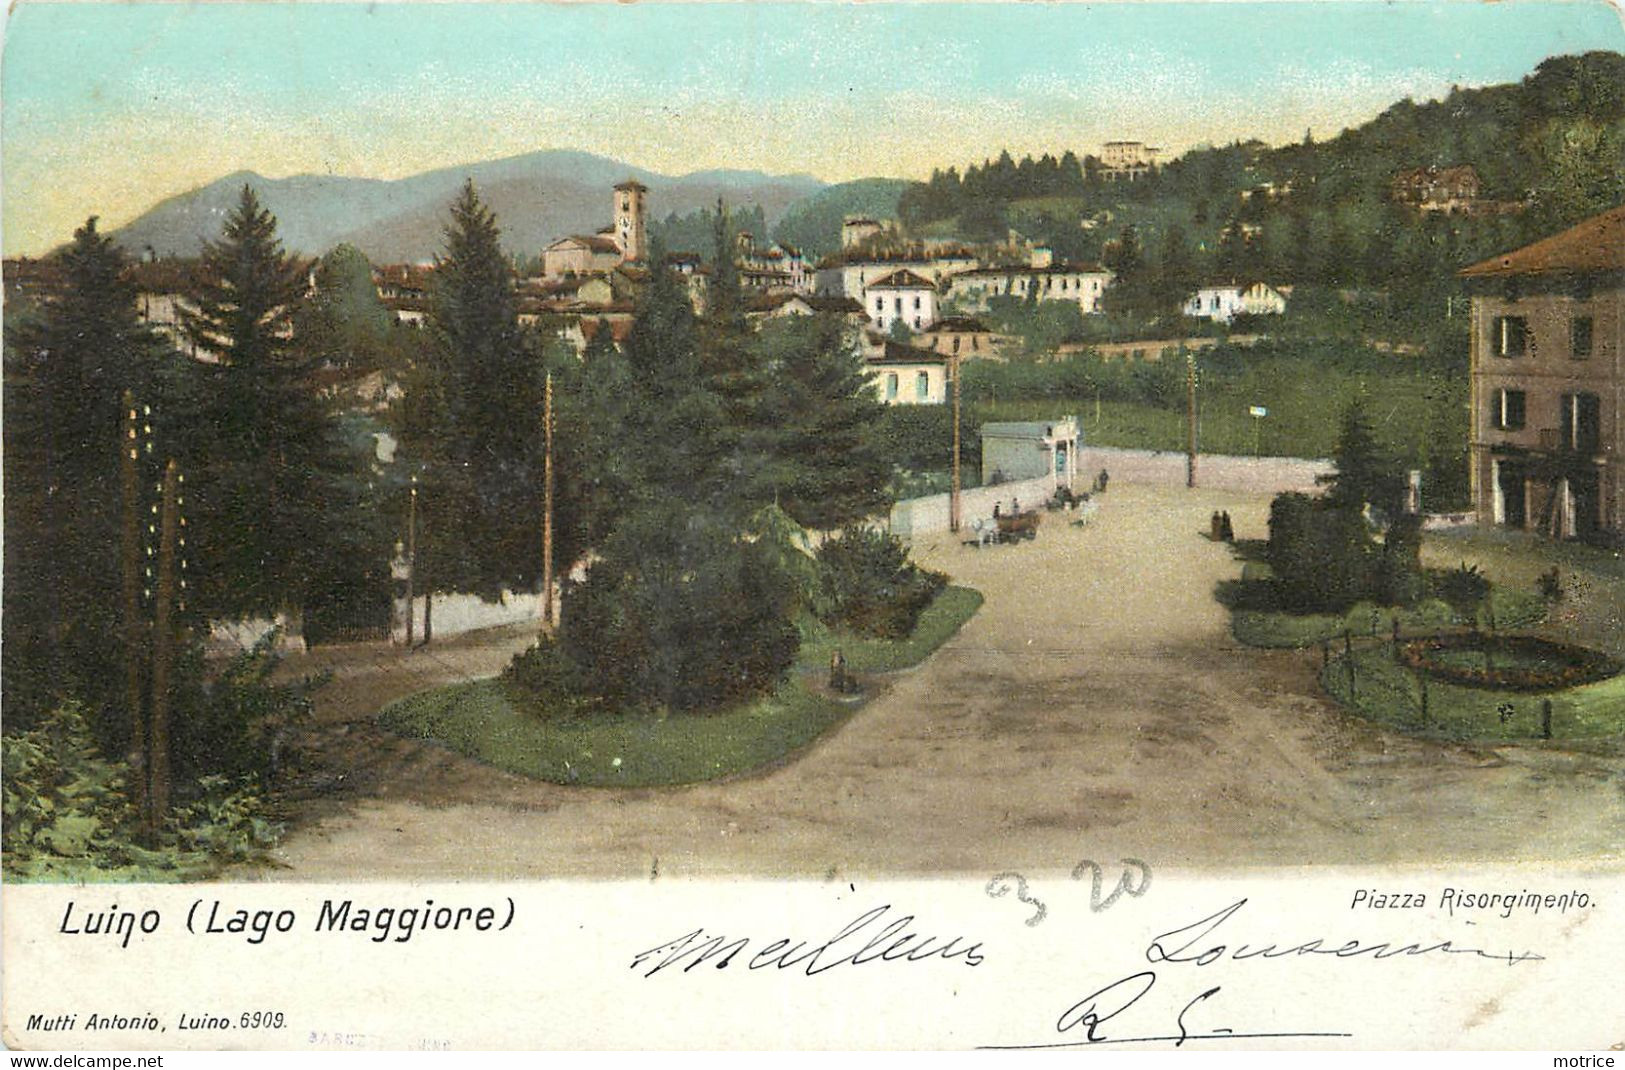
(1277, 630)
(1255, 622)
(941, 619)
(1593, 579)
(1387, 691)
(487, 721)
(1303, 421)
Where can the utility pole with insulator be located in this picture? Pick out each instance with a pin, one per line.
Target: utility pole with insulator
(953, 497)
(163, 647)
(1190, 419)
(130, 568)
(547, 505)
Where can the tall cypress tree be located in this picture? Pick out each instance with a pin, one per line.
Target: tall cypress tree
(275, 473)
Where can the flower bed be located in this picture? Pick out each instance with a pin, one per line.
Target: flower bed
(1507, 662)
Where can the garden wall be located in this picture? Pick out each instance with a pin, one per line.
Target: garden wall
(455, 614)
(920, 516)
(1261, 475)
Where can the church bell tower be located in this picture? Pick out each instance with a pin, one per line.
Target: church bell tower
(631, 220)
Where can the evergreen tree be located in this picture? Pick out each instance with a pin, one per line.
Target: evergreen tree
(678, 610)
(1366, 474)
(825, 469)
(732, 375)
(1176, 270)
(67, 365)
(276, 469)
(725, 298)
(483, 447)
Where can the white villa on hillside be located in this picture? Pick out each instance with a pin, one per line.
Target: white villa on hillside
(901, 296)
(1082, 284)
(1223, 302)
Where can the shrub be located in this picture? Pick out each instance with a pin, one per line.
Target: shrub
(1466, 589)
(1322, 555)
(869, 586)
(67, 815)
(678, 614)
(547, 674)
(1399, 574)
(61, 798)
(227, 822)
(239, 725)
(1291, 549)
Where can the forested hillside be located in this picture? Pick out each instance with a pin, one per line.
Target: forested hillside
(1550, 150)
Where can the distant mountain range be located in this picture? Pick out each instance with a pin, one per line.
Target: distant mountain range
(537, 197)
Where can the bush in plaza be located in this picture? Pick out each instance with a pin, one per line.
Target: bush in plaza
(868, 584)
(1400, 581)
(1322, 554)
(551, 677)
(1466, 589)
(676, 614)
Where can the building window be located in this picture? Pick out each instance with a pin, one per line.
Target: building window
(922, 385)
(1509, 336)
(1507, 409)
(1580, 337)
(1582, 423)
(880, 304)
(956, 343)
(897, 305)
(916, 323)
(916, 302)
(891, 386)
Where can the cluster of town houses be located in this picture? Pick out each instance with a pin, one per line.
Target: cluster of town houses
(914, 305)
(888, 289)
(1548, 363)
(1548, 352)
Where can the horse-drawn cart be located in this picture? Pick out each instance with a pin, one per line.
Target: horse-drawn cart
(1014, 526)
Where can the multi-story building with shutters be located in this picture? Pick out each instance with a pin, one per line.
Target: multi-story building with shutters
(1548, 383)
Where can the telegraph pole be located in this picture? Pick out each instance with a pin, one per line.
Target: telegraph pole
(130, 566)
(163, 649)
(1190, 419)
(547, 506)
(953, 497)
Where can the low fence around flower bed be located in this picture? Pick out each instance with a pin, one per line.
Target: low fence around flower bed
(1374, 681)
(1577, 665)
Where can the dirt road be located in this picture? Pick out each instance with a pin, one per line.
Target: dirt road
(1096, 707)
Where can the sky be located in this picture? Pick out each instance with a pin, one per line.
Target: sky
(109, 108)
